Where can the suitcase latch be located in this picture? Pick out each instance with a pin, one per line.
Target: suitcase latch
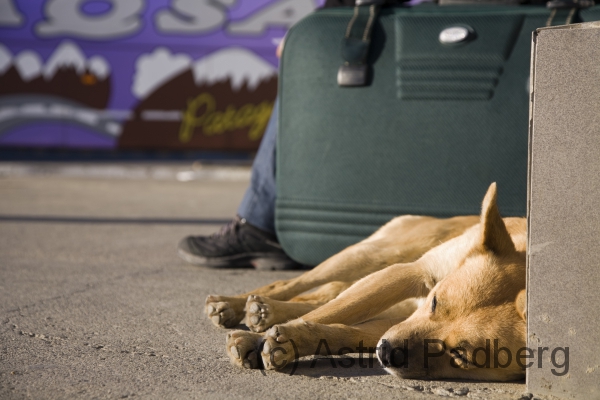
(352, 75)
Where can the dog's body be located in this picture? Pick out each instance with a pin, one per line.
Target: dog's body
(456, 282)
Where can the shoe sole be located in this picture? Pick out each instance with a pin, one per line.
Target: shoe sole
(260, 261)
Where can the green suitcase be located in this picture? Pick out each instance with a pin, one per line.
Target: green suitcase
(438, 120)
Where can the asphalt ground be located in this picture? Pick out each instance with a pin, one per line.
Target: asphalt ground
(94, 302)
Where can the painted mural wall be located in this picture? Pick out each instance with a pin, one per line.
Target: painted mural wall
(140, 74)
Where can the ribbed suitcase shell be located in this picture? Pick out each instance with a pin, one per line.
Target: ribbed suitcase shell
(435, 127)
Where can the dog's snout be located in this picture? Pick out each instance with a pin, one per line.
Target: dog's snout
(390, 356)
(383, 352)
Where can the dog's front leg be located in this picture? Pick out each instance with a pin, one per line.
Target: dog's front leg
(374, 294)
(298, 338)
(283, 343)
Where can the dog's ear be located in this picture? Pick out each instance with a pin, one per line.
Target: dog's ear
(521, 304)
(494, 235)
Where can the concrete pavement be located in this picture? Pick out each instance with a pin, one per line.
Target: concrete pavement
(94, 302)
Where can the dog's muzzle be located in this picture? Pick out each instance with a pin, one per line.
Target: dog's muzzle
(388, 356)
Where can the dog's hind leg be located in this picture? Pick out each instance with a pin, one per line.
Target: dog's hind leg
(349, 265)
(226, 312)
(229, 311)
(404, 239)
(264, 312)
(377, 292)
(374, 294)
(323, 294)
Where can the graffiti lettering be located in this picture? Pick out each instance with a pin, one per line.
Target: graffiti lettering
(284, 13)
(9, 14)
(191, 16)
(123, 18)
(66, 17)
(253, 117)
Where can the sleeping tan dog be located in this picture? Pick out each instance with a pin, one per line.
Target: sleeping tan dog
(433, 297)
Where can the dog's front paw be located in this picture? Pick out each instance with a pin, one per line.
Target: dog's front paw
(243, 349)
(259, 313)
(224, 312)
(278, 351)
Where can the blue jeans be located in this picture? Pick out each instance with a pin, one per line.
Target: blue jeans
(258, 204)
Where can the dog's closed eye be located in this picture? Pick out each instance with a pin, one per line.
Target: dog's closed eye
(433, 304)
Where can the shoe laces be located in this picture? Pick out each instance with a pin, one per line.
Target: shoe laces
(231, 228)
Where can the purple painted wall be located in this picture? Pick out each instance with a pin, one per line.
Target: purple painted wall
(164, 74)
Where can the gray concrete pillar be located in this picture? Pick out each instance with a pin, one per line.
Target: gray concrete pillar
(563, 274)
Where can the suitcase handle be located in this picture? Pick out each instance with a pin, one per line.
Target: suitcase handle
(356, 43)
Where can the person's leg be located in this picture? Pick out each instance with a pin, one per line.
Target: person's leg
(249, 240)
(258, 205)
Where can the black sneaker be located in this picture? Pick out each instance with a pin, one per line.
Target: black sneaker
(238, 244)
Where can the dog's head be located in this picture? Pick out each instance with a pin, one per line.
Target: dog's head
(472, 324)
